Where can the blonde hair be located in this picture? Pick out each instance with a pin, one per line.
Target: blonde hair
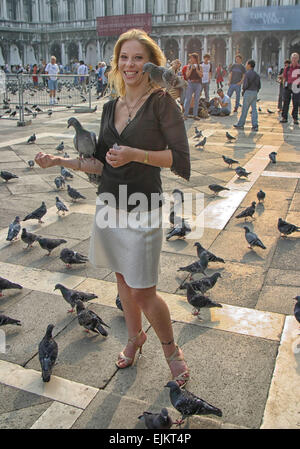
(156, 56)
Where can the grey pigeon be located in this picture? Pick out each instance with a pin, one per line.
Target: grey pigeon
(211, 256)
(71, 296)
(90, 320)
(248, 212)
(74, 194)
(118, 303)
(37, 214)
(162, 76)
(4, 320)
(286, 228)
(272, 157)
(216, 188)
(14, 229)
(50, 112)
(84, 141)
(189, 404)
(252, 239)
(13, 114)
(70, 257)
(261, 196)
(198, 301)
(241, 172)
(61, 207)
(297, 309)
(230, 137)
(204, 284)
(198, 133)
(178, 196)
(60, 147)
(201, 143)
(7, 176)
(50, 244)
(65, 173)
(160, 420)
(270, 112)
(30, 163)
(197, 267)
(179, 231)
(6, 285)
(59, 181)
(66, 155)
(28, 237)
(32, 139)
(48, 350)
(229, 161)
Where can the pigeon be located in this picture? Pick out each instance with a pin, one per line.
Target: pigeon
(32, 139)
(50, 244)
(74, 194)
(37, 214)
(252, 239)
(204, 284)
(13, 114)
(178, 196)
(198, 301)
(259, 109)
(65, 173)
(248, 212)
(189, 404)
(84, 141)
(38, 109)
(7, 176)
(272, 157)
(50, 112)
(179, 231)
(241, 172)
(66, 155)
(297, 309)
(261, 196)
(165, 78)
(14, 229)
(4, 320)
(118, 303)
(30, 164)
(216, 188)
(70, 257)
(60, 147)
(28, 237)
(286, 228)
(71, 296)
(6, 285)
(59, 181)
(198, 133)
(157, 420)
(270, 112)
(61, 207)
(229, 161)
(230, 137)
(211, 256)
(48, 350)
(90, 320)
(197, 267)
(201, 143)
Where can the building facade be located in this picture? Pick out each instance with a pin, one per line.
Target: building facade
(31, 30)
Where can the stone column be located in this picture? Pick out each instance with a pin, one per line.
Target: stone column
(282, 53)
(80, 55)
(204, 45)
(229, 51)
(35, 12)
(63, 54)
(255, 49)
(4, 9)
(20, 12)
(181, 50)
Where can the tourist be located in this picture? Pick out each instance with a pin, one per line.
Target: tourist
(52, 70)
(236, 79)
(35, 78)
(291, 83)
(221, 105)
(281, 87)
(82, 72)
(219, 76)
(207, 75)
(194, 75)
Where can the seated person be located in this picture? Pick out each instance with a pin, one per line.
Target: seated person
(220, 105)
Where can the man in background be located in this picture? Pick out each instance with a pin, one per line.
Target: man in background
(207, 74)
(291, 90)
(82, 70)
(235, 80)
(52, 70)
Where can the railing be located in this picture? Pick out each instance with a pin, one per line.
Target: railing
(40, 26)
(221, 16)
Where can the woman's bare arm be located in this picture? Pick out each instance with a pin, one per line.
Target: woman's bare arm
(124, 155)
(93, 166)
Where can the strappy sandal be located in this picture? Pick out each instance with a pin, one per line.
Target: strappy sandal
(130, 360)
(183, 377)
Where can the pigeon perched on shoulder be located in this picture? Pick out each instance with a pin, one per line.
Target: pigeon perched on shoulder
(70, 257)
(90, 320)
(5, 284)
(60, 147)
(60, 182)
(197, 267)
(160, 420)
(30, 164)
(7, 176)
(211, 256)
(189, 404)
(286, 228)
(297, 309)
(74, 194)
(84, 141)
(118, 303)
(241, 172)
(198, 301)
(61, 207)
(50, 244)
(66, 173)
(272, 157)
(229, 161)
(216, 188)
(252, 239)
(4, 320)
(261, 196)
(37, 214)
(230, 137)
(32, 139)
(71, 296)
(201, 143)
(165, 78)
(248, 212)
(204, 284)
(48, 350)
(14, 229)
(28, 237)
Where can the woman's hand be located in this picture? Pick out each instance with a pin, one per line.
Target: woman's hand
(120, 157)
(46, 160)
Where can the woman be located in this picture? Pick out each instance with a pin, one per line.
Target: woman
(194, 75)
(219, 76)
(175, 66)
(143, 123)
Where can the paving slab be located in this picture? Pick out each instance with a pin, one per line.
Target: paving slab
(282, 277)
(274, 200)
(57, 416)
(23, 418)
(13, 399)
(74, 225)
(277, 298)
(287, 253)
(265, 221)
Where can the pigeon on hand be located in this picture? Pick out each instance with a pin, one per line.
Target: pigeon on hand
(229, 161)
(261, 196)
(118, 303)
(32, 139)
(165, 78)
(157, 420)
(204, 284)
(50, 244)
(189, 404)
(216, 188)
(37, 214)
(179, 231)
(65, 173)
(201, 143)
(71, 296)
(241, 172)
(297, 309)
(61, 207)
(30, 164)
(198, 301)
(286, 228)
(84, 141)
(28, 237)
(211, 256)
(198, 133)
(248, 212)
(74, 194)
(59, 181)
(90, 320)
(4, 320)
(230, 137)
(7, 176)
(70, 257)
(60, 147)
(252, 239)
(6, 285)
(13, 230)
(272, 157)
(48, 350)
(197, 267)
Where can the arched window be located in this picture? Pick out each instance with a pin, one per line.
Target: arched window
(172, 6)
(28, 10)
(89, 9)
(53, 10)
(12, 9)
(220, 5)
(150, 6)
(108, 7)
(71, 10)
(195, 6)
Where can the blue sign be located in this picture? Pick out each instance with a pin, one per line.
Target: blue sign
(266, 18)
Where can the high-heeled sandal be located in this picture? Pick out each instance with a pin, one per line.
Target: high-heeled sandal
(130, 360)
(185, 375)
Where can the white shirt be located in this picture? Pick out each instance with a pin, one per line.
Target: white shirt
(82, 70)
(52, 69)
(226, 99)
(206, 70)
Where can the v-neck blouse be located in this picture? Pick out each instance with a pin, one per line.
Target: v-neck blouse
(157, 125)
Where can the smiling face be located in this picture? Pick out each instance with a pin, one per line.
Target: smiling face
(133, 56)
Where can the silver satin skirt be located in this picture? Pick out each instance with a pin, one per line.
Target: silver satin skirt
(128, 243)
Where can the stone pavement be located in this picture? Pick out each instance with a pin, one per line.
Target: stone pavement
(244, 358)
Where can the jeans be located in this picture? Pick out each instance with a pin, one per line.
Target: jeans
(287, 95)
(237, 89)
(205, 86)
(250, 98)
(192, 88)
(213, 110)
